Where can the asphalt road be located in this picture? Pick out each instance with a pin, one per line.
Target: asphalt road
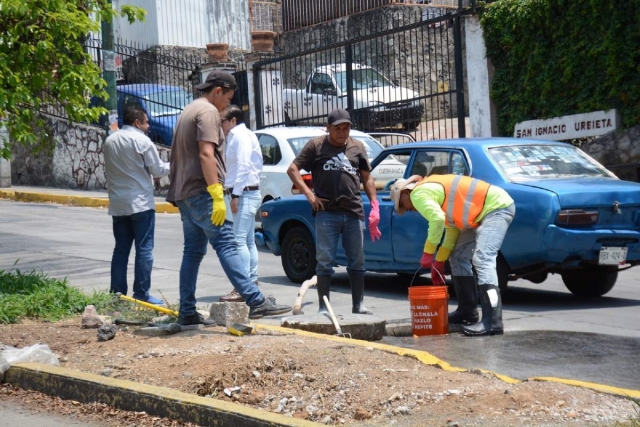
(548, 332)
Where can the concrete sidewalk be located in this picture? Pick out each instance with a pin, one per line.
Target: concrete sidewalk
(95, 199)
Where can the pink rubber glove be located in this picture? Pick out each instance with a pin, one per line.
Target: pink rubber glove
(374, 220)
(426, 260)
(437, 273)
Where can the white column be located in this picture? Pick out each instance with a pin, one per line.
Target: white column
(479, 73)
(5, 165)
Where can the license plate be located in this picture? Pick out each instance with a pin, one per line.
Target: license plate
(610, 255)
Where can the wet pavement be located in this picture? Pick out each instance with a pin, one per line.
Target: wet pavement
(596, 358)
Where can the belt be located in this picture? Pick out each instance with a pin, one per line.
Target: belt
(229, 190)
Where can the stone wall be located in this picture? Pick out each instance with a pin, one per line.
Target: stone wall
(172, 65)
(266, 15)
(619, 151)
(76, 161)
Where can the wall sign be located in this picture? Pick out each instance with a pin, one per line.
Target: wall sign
(569, 127)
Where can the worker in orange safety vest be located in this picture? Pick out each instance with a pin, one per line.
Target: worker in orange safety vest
(474, 217)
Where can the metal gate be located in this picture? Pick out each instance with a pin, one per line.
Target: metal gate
(407, 79)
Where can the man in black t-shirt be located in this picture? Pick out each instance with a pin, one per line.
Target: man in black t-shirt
(338, 165)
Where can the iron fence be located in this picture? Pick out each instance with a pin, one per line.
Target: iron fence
(407, 78)
(298, 14)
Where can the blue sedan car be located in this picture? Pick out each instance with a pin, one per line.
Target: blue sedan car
(163, 104)
(573, 216)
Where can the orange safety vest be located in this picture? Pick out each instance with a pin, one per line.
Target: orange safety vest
(464, 198)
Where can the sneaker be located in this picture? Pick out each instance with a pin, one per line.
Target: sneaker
(151, 300)
(155, 301)
(268, 308)
(195, 319)
(232, 296)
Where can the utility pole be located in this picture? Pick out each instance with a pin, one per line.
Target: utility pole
(109, 74)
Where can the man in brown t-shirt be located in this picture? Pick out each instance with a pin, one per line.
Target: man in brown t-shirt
(338, 165)
(197, 180)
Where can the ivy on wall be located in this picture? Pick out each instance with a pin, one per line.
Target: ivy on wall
(561, 57)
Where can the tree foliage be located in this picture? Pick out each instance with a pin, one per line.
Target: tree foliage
(43, 61)
(560, 57)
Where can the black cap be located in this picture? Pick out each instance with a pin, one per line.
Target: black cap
(219, 79)
(339, 116)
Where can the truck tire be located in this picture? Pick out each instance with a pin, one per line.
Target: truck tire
(298, 255)
(591, 281)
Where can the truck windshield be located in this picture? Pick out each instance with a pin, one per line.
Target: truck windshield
(362, 79)
(526, 162)
(167, 103)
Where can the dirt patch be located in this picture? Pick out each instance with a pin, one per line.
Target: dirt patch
(319, 380)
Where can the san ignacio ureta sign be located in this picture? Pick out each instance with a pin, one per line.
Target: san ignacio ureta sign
(569, 127)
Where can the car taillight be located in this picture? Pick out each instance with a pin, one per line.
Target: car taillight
(576, 217)
(307, 180)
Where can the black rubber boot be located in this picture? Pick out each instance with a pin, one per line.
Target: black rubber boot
(357, 292)
(467, 295)
(324, 286)
(491, 303)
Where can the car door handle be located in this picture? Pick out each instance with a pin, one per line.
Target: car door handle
(386, 199)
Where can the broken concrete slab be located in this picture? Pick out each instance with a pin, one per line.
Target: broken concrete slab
(360, 326)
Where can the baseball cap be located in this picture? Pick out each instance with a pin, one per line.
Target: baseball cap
(219, 79)
(396, 189)
(338, 116)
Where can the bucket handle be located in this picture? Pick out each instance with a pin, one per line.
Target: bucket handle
(432, 270)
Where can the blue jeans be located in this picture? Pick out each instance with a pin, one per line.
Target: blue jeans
(480, 246)
(244, 225)
(127, 229)
(198, 231)
(329, 227)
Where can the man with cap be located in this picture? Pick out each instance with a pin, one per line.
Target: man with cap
(474, 217)
(197, 183)
(338, 165)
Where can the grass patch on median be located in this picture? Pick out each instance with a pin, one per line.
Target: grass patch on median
(34, 295)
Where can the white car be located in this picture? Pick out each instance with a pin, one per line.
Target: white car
(281, 145)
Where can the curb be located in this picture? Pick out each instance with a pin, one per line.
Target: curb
(63, 199)
(429, 359)
(132, 396)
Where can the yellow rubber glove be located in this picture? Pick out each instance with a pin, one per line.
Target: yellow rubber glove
(219, 207)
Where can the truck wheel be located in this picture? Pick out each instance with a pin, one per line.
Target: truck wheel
(158, 140)
(590, 281)
(298, 255)
(411, 125)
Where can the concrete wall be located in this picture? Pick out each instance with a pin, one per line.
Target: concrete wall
(76, 161)
(618, 150)
(188, 23)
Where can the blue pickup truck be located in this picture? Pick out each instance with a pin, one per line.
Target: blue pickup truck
(162, 103)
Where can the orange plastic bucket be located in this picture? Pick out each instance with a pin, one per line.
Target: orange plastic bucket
(429, 310)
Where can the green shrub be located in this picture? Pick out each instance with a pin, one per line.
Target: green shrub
(34, 295)
(561, 57)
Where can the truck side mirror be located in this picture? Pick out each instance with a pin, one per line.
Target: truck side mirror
(395, 82)
(330, 91)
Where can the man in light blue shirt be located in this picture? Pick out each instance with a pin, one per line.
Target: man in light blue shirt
(242, 192)
(131, 162)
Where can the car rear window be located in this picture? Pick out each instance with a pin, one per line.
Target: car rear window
(372, 146)
(525, 162)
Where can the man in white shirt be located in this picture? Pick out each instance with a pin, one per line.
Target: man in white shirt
(131, 162)
(242, 192)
